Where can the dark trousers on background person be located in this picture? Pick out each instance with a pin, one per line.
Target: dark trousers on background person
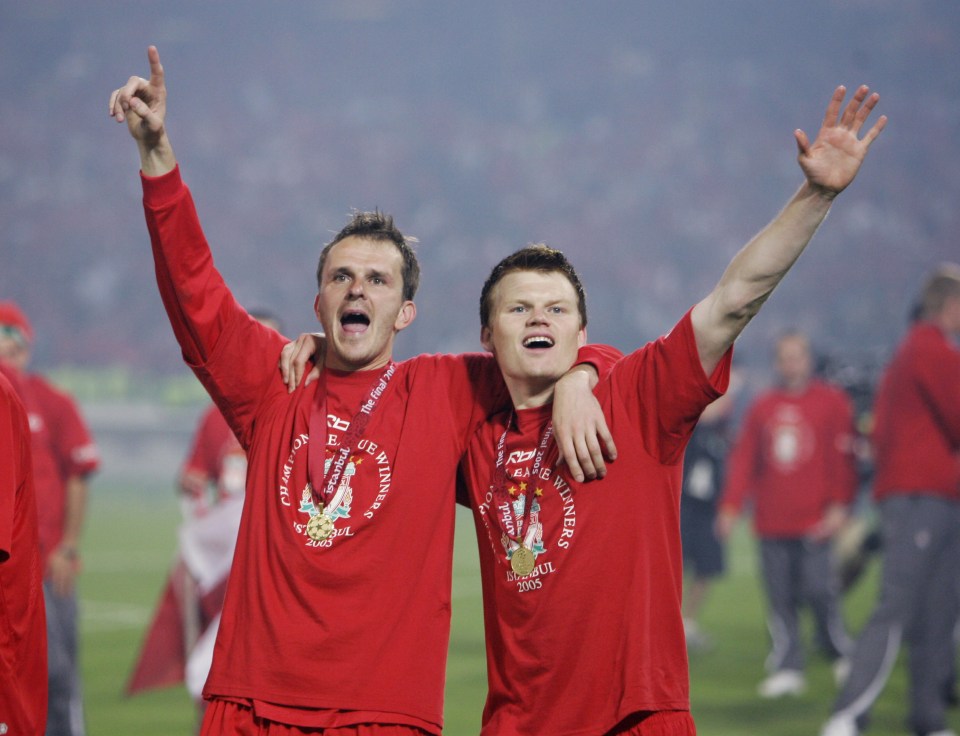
(798, 573)
(65, 706)
(917, 605)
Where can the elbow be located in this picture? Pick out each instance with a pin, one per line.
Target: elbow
(741, 308)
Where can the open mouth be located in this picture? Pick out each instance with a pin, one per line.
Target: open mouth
(354, 321)
(538, 342)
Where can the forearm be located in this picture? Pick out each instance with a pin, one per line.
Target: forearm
(156, 156)
(74, 513)
(765, 260)
(755, 271)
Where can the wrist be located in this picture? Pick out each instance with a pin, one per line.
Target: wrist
(822, 193)
(156, 156)
(584, 372)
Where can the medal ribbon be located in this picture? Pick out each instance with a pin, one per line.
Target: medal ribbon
(318, 435)
(513, 528)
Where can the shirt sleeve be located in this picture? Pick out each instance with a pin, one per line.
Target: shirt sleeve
(11, 460)
(742, 463)
(664, 388)
(842, 462)
(76, 451)
(470, 384)
(8, 479)
(200, 467)
(232, 354)
(601, 357)
(939, 378)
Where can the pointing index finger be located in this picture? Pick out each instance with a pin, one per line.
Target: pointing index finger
(156, 68)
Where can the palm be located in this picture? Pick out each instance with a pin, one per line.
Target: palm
(832, 161)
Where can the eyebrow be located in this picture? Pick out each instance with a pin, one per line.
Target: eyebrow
(349, 271)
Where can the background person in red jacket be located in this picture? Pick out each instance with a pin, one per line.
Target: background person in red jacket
(917, 488)
(64, 456)
(793, 459)
(23, 650)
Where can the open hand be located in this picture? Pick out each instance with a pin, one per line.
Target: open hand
(832, 161)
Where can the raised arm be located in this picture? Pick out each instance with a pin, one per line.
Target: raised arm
(142, 103)
(829, 164)
(219, 340)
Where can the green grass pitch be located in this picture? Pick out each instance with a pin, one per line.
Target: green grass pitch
(129, 545)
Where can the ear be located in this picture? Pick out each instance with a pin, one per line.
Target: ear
(486, 339)
(406, 315)
(316, 306)
(582, 337)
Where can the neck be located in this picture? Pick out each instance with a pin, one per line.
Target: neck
(529, 395)
(796, 387)
(336, 363)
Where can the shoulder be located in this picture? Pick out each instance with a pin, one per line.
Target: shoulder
(927, 336)
(42, 390)
(11, 399)
(434, 365)
(924, 350)
(832, 391)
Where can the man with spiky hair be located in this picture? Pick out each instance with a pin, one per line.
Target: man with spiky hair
(337, 612)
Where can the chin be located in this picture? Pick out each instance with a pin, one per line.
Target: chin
(544, 375)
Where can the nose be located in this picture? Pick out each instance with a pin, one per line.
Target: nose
(538, 316)
(355, 290)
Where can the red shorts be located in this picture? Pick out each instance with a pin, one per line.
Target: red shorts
(658, 723)
(225, 718)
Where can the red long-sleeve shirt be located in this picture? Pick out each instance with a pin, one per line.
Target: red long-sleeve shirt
(793, 459)
(917, 434)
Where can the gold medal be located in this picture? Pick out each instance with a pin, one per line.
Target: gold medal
(319, 527)
(522, 561)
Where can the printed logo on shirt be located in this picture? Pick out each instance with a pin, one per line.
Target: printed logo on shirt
(792, 440)
(367, 473)
(551, 499)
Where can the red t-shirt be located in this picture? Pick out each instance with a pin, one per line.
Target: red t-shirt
(917, 434)
(62, 448)
(23, 632)
(594, 633)
(215, 457)
(354, 628)
(793, 459)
